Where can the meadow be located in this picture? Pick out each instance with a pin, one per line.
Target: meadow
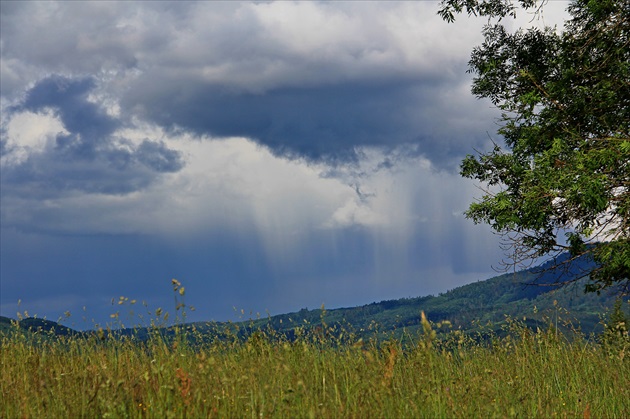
(318, 373)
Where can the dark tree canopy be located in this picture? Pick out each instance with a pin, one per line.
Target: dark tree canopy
(561, 182)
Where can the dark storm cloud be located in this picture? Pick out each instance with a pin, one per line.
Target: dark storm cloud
(89, 124)
(158, 157)
(374, 75)
(307, 121)
(88, 157)
(111, 170)
(314, 122)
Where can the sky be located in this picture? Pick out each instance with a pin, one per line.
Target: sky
(270, 156)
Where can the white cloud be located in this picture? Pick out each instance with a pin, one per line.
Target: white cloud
(251, 46)
(29, 132)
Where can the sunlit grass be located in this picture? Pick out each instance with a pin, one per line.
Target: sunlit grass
(522, 373)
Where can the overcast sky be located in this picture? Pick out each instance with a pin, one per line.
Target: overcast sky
(270, 156)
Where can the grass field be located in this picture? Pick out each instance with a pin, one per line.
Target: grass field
(521, 374)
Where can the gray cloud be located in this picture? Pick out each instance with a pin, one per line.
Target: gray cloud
(89, 125)
(308, 121)
(323, 121)
(89, 156)
(377, 75)
(158, 157)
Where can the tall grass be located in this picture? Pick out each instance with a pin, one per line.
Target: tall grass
(521, 374)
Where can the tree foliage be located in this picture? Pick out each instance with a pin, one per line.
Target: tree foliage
(616, 331)
(561, 181)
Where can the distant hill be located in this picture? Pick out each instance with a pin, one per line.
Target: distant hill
(31, 326)
(485, 304)
(468, 307)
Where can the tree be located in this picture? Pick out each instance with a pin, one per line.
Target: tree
(616, 329)
(561, 181)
